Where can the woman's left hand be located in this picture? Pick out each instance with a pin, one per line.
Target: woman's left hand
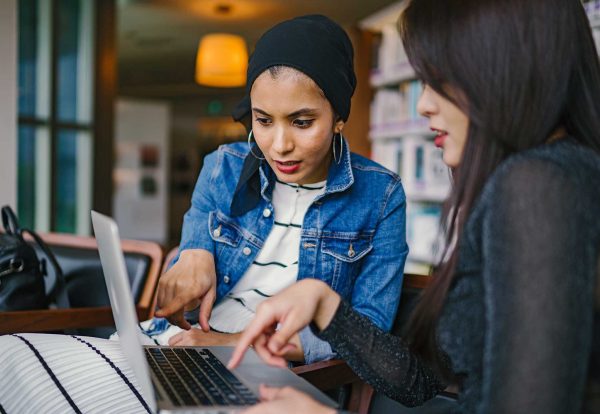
(287, 400)
(197, 337)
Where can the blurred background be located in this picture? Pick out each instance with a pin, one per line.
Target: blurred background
(112, 105)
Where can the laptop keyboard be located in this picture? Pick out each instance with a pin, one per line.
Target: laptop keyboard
(194, 376)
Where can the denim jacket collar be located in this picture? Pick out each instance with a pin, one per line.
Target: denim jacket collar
(340, 176)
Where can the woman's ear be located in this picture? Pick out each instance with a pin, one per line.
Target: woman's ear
(338, 126)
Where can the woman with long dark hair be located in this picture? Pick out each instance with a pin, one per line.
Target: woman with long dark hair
(512, 90)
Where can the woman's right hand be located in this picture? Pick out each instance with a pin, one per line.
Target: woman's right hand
(190, 280)
(292, 309)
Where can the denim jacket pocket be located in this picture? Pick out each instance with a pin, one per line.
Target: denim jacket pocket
(342, 256)
(223, 230)
(348, 250)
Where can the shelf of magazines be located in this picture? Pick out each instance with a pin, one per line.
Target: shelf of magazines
(400, 128)
(422, 234)
(401, 139)
(390, 60)
(399, 72)
(419, 163)
(393, 112)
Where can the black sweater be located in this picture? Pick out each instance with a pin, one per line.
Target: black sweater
(518, 322)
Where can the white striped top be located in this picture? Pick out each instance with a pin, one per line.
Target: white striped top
(276, 265)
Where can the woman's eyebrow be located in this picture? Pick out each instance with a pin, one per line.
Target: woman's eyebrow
(260, 111)
(302, 112)
(295, 114)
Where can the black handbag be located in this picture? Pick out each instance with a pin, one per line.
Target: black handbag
(23, 274)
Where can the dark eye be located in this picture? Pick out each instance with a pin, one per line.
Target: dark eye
(263, 121)
(303, 123)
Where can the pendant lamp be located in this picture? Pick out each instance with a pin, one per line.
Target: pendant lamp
(222, 60)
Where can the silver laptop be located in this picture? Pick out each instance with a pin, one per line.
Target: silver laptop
(190, 379)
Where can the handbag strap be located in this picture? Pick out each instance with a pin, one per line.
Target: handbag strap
(9, 221)
(58, 293)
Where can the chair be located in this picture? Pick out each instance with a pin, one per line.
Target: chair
(329, 375)
(90, 311)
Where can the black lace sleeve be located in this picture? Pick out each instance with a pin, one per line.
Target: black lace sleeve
(379, 358)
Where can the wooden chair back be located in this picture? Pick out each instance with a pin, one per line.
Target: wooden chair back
(89, 316)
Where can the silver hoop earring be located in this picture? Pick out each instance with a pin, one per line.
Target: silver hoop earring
(338, 157)
(250, 147)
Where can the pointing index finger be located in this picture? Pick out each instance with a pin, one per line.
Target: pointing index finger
(261, 323)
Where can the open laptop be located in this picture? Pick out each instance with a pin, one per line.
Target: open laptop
(190, 379)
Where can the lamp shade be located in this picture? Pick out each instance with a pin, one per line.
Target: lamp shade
(222, 60)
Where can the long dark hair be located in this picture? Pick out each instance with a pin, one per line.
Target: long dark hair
(523, 68)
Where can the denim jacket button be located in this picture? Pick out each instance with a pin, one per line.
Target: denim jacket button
(351, 252)
(266, 212)
(246, 251)
(217, 231)
(226, 279)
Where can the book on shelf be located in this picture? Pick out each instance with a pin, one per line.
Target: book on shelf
(422, 231)
(391, 51)
(392, 64)
(388, 153)
(419, 163)
(403, 142)
(397, 106)
(422, 169)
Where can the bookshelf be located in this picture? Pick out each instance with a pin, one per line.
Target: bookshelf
(401, 139)
(399, 72)
(398, 129)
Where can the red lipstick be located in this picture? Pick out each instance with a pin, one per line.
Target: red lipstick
(287, 167)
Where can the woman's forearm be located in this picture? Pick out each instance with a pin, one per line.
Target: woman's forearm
(328, 303)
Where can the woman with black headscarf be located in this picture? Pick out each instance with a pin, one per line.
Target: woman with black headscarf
(291, 203)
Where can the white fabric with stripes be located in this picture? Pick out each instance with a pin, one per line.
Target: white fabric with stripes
(276, 265)
(89, 380)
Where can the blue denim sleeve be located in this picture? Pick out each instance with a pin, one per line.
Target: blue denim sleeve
(377, 288)
(194, 234)
(315, 349)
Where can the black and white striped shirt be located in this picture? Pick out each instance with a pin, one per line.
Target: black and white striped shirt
(276, 266)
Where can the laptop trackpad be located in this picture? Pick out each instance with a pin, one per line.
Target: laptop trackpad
(253, 372)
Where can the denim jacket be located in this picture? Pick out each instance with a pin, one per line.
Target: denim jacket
(353, 236)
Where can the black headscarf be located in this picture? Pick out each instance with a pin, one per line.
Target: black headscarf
(314, 45)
